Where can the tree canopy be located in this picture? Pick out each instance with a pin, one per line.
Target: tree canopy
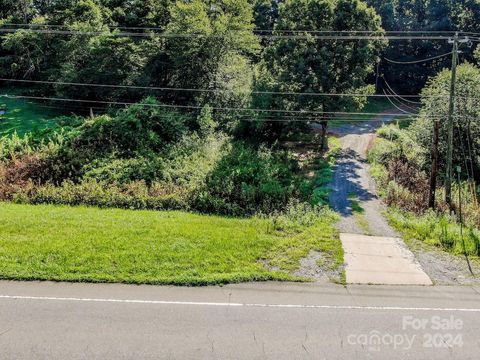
(423, 15)
(305, 64)
(466, 127)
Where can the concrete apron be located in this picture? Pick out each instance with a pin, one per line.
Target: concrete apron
(381, 261)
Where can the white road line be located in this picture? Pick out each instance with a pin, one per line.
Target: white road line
(220, 304)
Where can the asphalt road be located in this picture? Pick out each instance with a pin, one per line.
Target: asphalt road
(249, 321)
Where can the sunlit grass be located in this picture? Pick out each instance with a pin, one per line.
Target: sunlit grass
(24, 116)
(89, 244)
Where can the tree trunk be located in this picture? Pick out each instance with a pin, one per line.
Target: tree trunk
(324, 146)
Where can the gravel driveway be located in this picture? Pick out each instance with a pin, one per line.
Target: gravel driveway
(352, 180)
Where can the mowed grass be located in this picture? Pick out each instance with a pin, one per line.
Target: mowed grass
(112, 245)
(24, 116)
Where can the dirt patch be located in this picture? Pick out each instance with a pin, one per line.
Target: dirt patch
(444, 268)
(319, 267)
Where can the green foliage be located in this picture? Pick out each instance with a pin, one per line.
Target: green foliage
(437, 230)
(121, 171)
(299, 215)
(466, 151)
(140, 129)
(15, 145)
(382, 151)
(317, 189)
(226, 29)
(312, 65)
(133, 195)
(248, 181)
(390, 132)
(423, 15)
(215, 56)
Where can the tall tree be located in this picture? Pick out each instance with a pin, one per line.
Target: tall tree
(310, 65)
(422, 15)
(216, 41)
(466, 152)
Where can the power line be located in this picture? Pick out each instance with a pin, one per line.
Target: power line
(303, 112)
(402, 104)
(154, 88)
(399, 96)
(265, 30)
(399, 108)
(308, 35)
(417, 61)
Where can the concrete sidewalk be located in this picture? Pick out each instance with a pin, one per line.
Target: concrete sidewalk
(380, 260)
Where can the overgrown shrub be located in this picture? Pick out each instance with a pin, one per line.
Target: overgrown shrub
(136, 195)
(139, 129)
(300, 215)
(390, 132)
(439, 230)
(248, 181)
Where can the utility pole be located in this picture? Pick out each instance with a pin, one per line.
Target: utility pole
(451, 110)
(433, 177)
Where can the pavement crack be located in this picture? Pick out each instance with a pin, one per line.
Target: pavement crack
(4, 332)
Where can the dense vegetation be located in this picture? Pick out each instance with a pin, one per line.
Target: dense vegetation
(402, 163)
(192, 143)
(433, 16)
(191, 105)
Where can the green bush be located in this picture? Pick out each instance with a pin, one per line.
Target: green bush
(139, 129)
(298, 216)
(439, 230)
(135, 195)
(248, 181)
(382, 151)
(121, 171)
(389, 132)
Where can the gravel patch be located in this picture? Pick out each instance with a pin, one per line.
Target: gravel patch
(316, 266)
(444, 268)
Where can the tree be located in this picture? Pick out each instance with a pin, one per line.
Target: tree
(266, 13)
(216, 38)
(466, 127)
(16, 9)
(422, 15)
(310, 65)
(140, 13)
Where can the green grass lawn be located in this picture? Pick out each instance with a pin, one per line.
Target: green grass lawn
(90, 244)
(23, 116)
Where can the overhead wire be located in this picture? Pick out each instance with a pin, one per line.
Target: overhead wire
(452, 32)
(402, 104)
(401, 96)
(397, 107)
(417, 61)
(255, 92)
(273, 36)
(253, 110)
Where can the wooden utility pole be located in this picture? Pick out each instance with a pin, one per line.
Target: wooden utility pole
(451, 111)
(433, 177)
